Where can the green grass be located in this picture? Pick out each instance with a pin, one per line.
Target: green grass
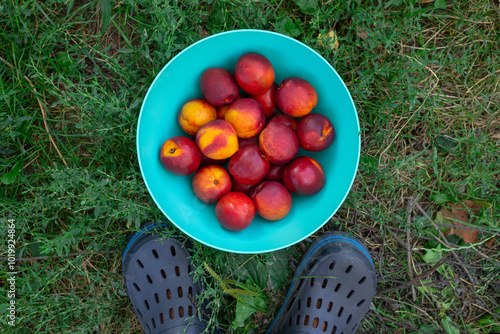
(426, 82)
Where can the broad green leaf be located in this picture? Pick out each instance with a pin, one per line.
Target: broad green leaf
(256, 271)
(272, 273)
(446, 142)
(279, 270)
(11, 176)
(307, 6)
(440, 218)
(106, 6)
(245, 308)
(242, 313)
(433, 255)
(440, 4)
(288, 27)
(137, 223)
(449, 326)
(34, 248)
(440, 198)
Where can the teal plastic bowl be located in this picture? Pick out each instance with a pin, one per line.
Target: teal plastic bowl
(179, 81)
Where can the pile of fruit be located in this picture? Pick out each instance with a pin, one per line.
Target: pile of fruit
(243, 146)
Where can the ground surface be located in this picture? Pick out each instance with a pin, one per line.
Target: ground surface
(424, 76)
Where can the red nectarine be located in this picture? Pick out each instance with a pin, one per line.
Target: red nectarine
(304, 176)
(211, 182)
(279, 143)
(296, 97)
(248, 165)
(315, 132)
(272, 200)
(235, 211)
(218, 86)
(254, 73)
(180, 155)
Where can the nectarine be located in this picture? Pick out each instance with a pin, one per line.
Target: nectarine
(246, 116)
(221, 111)
(211, 182)
(288, 120)
(248, 141)
(272, 200)
(267, 101)
(235, 211)
(279, 143)
(180, 155)
(254, 73)
(218, 86)
(248, 165)
(194, 114)
(296, 97)
(217, 140)
(275, 172)
(242, 188)
(304, 176)
(315, 132)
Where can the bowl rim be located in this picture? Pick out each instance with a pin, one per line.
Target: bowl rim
(238, 31)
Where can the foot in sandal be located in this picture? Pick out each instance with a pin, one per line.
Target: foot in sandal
(332, 289)
(157, 277)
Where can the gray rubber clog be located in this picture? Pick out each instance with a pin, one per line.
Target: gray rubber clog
(157, 277)
(332, 289)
